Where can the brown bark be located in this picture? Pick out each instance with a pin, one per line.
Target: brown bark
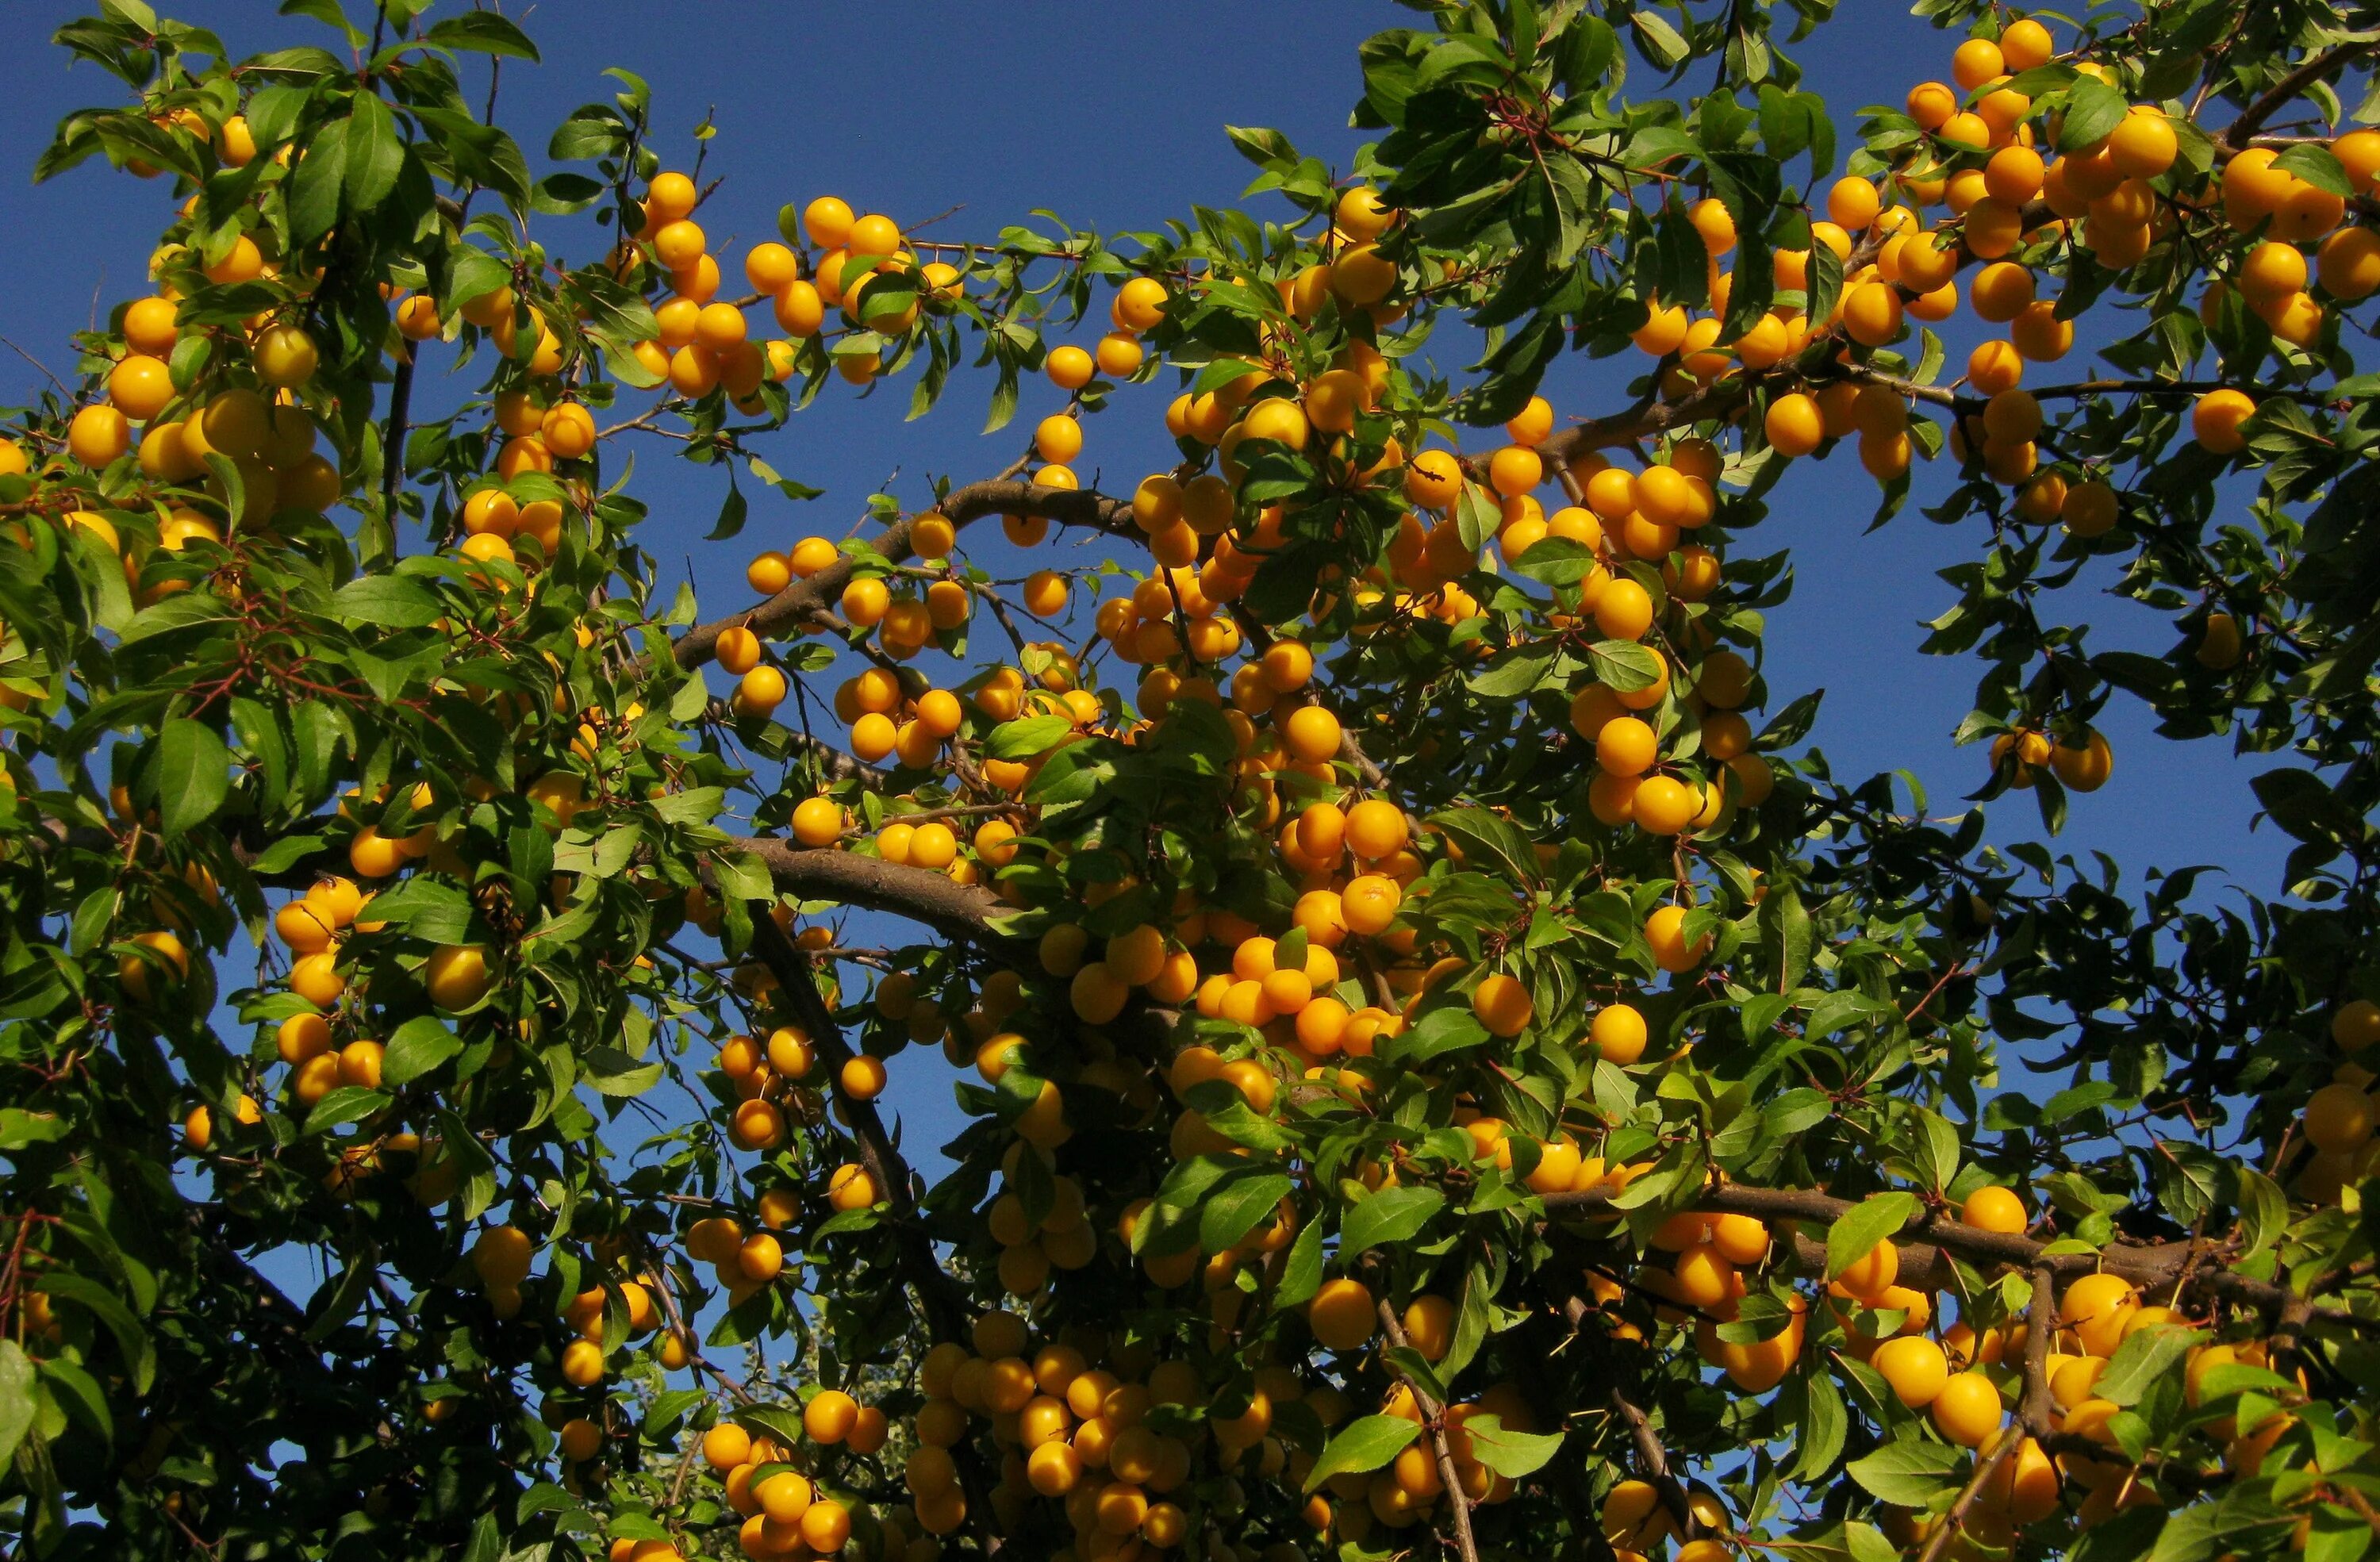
(799, 605)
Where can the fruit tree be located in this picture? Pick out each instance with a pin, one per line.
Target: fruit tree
(1446, 1070)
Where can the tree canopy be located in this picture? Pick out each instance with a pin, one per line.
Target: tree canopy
(1448, 1070)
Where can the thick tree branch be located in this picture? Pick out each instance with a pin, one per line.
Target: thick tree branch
(944, 1301)
(2036, 1410)
(959, 910)
(1714, 400)
(1924, 1264)
(2286, 90)
(798, 605)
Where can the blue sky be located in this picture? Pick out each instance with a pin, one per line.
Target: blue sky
(1113, 116)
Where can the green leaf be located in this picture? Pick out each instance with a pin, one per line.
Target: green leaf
(19, 1128)
(1513, 674)
(1658, 42)
(2318, 167)
(1824, 1424)
(483, 32)
(732, 512)
(419, 1045)
(1908, 1474)
(1476, 520)
(1483, 835)
(2093, 109)
(432, 912)
(1442, 1030)
(1390, 1216)
(1235, 1207)
(17, 1404)
(1301, 1276)
(375, 154)
(1366, 1443)
(349, 1103)
(82, 1395)
(1787, 924)
(1625, 665)
(391, 601)
(614, 1072)
(193, 775)
(1260, 146)
(1025, 738)
(110, 1310)
(2264, 1211)
(1860, 1227)
(2146, 1356)
(1507, 1452)
(471, 274)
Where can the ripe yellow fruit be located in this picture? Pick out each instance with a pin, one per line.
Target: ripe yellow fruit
(850, 1187)
(149, 326)
(1625, 746)
(2097, 1308)
(1915, 1367)
(1966, 1409)
(863, 1078)
(1665, 933)
(1663, 806)
(1872, 1272)
(825, 1526)
(1872, 314)
(2348, 264)
(829, 1416)
(726, 1446)
(2144, 144)
(140, 386)
(285, 355)
(2339, 1117)
(2356, 1025)
(1623, 609)
(1312, 734)
(457, 976)
(760, 691)
(1362, 276)
(1140, 303)
(1343, 1314)
(1618, 1032)
(1502, 1005)
(2084, 766)
(1994, 1208)
(1793, 423)
(1068, 367)
(818, 821)
(2026, 44)
(97, 435)
(2216, 419)
(582, 1363)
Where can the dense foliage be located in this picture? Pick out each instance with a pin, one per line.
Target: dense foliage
(1444, 1072)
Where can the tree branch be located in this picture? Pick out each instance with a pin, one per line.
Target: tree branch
(959, 910)
(941, 1296)
(2284, 91)
(799, 604)
(1433, 1416)
(1650, 1454)
(1714, 400)
(2040, 1321)
(1922, 1264)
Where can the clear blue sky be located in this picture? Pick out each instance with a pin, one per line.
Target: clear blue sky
(1111, 115)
